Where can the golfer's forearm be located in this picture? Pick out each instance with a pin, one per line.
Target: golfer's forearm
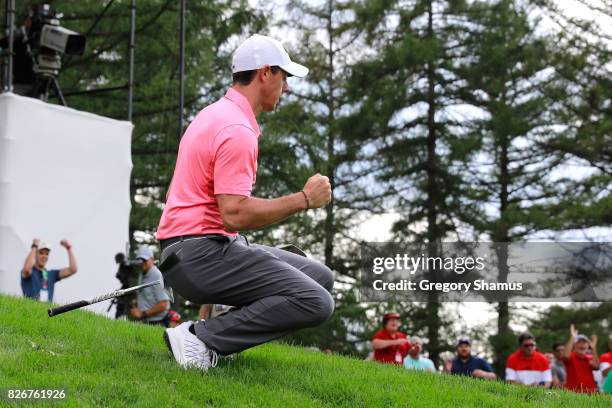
(253, 212)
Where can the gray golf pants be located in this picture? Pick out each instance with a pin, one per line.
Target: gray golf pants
(275, 291)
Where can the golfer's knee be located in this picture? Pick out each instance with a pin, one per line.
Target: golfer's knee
(320, 308)
(324, 276)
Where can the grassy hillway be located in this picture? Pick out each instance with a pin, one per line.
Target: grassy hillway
(105, 363)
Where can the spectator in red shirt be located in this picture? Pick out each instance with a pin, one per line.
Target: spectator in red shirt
(528, 366)
(389, 344)
(579, 363)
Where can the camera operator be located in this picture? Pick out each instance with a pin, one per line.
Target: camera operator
(38, 47)
(153, 301)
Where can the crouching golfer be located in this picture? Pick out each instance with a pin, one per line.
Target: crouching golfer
(209, 201)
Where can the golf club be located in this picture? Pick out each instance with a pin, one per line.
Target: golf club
(169, 263)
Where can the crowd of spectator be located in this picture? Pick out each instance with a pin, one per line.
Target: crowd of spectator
(574, 365)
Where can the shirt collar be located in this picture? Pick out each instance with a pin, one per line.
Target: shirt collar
(244, 105)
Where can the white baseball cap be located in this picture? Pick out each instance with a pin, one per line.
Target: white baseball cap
(43, 245)
(260, 50)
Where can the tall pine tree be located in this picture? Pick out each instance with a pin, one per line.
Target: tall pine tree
(510, 78)
(406, 97)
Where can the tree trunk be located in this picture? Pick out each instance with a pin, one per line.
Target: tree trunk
(433, 306)
(329, 216)
(503, 344)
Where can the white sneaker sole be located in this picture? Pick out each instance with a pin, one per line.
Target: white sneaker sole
(172, 344)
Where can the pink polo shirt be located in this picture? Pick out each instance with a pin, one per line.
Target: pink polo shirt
(217, 155)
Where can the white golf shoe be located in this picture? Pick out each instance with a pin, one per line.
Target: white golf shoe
(188, 350)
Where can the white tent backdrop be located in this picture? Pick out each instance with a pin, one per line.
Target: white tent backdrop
(63, 174)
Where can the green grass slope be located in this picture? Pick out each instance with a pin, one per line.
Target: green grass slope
(105, 363)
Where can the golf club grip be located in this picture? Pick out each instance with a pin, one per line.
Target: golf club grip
(66, 308)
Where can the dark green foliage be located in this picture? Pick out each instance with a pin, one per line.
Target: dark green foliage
(583, 106)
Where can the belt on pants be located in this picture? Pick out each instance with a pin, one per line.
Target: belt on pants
(229, 239)
(164, 243)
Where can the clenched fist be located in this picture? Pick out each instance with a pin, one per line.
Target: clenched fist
(318, 191)
(65, 244)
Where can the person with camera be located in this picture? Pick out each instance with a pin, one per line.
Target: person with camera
(209, 203)
(153, 301)
(36, 278)
(38, 46)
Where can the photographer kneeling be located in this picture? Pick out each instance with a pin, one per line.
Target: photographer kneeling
(153, 301)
